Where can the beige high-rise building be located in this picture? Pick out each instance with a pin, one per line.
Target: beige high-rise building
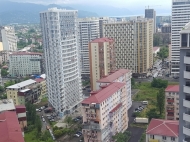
(102, 59)
(133, 43)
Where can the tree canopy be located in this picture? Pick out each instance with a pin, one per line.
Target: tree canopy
(4, 72)
(159, 83)
(164, 53)
(160, 100)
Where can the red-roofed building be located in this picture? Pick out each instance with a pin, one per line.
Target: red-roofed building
(162, 131)
(102, 59)
(100, 110)
(156, 50)
(10, 130)
(172, 102)
(121, 75)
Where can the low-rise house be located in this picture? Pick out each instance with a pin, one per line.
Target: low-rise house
(105, 113)
(9, 127)
(172, 102)
(26, 91)
(156, 50)
(162, 131)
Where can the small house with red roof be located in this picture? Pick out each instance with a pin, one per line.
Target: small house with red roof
(172, 102)
(160, 130)
(156, 50)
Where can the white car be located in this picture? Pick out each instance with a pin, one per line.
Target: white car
(43, 119)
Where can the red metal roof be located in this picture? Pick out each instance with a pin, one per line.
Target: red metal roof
(172, 88)
(39, 80)
(104, 39)
(25, 53)
(163, 128)
(116, 108)
(155, 48)
(10, 130)
(104, 93)
(113, 76)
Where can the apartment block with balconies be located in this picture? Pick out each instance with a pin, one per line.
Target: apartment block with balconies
(105, 113)
(133, 43)
(102, 59)
(172, 102)
(184, 98)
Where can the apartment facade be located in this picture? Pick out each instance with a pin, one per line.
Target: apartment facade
(8, 38)
(102, 59)
(4, 57)
(26, 91)
(121, 75)
(105, 113)
(172, 102)
(102, 21)
(25, 64)
(88, 31)
(61, 50)
(180, 12)
(133, 43)
(43, 87)
(151, 14)
(184, 98)
(160, 130)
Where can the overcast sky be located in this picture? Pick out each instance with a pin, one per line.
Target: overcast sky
(116, 3)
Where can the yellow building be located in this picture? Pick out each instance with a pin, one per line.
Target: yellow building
(28, 90)
(42, 83)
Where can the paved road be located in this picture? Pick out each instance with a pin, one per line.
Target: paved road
(135, 131)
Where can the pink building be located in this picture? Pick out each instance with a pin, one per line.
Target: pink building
(105, 113)
(121, 75)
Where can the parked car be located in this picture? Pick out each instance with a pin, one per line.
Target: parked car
(52, 120)
(37, 109)
(78, 134)
(43, 119)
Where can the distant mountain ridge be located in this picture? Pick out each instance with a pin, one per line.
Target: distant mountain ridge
(14, 12)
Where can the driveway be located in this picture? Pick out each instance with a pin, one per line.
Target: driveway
(136, 132)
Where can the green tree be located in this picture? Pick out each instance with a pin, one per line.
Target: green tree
(68, 120)
(163, 53)
(159, 83)
(9, 83)
(132, 82)
(57, 133)
(4, 72)
(2, 89)
(160, 100)
(152, 113)
(122, 137)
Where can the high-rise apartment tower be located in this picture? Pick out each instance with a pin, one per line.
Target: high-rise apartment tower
(151, 14)
(60, 43)
(180, 17)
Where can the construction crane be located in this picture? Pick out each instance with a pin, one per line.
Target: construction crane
(152, 6)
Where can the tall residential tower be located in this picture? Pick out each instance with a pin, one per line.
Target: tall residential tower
(88, 30)
(59, 28)
(151, 14)
(180, 17)
(184, 82)
(133, 44)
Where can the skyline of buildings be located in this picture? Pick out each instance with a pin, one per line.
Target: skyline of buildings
(61, 51)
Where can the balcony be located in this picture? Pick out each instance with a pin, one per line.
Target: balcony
(187, 74)
(186, 116)
(186, 130)
(170, 100)
(91, 126)
(186, 89)
(170, 110)
(186, 60)
(186, 103)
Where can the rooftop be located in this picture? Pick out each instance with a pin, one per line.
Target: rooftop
(22, 84)
(24, 90)
(10, 129)
(103, 94)
(25, 53)
(43, 76)
(156, 48)
(104, 39)
(161, 127)
(39, 80)
(6, 104)
(172, 88)
(113, 76)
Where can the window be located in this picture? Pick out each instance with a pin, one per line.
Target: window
(152, 136)
(172, 138)
(164, 137)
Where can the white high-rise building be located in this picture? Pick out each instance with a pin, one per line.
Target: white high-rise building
(8, 39)
(180, 17)
(88, 31)
(60, 43)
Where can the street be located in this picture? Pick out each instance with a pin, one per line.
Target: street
(136, 132)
